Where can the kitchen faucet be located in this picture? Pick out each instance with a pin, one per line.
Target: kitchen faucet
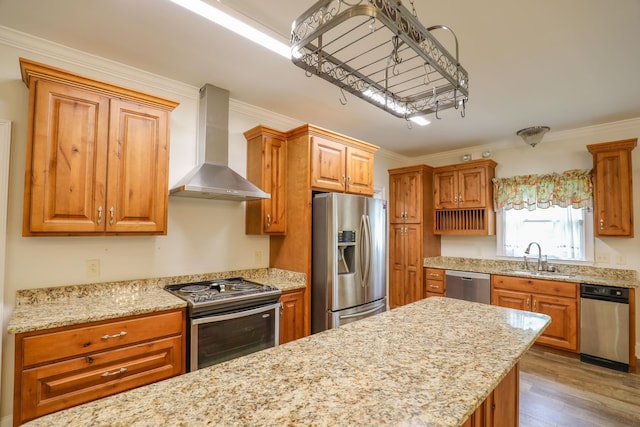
(539, 253)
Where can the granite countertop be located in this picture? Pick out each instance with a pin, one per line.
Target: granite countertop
(432, 363)
(46, 308)
(565, 273)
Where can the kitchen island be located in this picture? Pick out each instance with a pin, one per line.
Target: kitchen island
(430, 363)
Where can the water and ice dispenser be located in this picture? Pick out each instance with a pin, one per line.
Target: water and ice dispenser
(346, 251)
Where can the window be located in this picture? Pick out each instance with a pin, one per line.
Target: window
(563, 233)
(553, 210)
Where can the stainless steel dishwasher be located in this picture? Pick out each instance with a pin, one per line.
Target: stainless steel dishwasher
(468, 286)
(604, 326)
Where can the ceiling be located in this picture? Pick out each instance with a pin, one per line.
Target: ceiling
(564, 64)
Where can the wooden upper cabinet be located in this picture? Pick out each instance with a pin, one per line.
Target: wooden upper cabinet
(463, 186)
(267, 169)
(338, 167)
(405, 195)
(613, 192)
(97, 156)
(463, 198)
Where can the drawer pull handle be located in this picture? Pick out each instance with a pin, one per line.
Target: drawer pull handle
(434, 286)
(107, 336)
(434, 275)
(118, 372)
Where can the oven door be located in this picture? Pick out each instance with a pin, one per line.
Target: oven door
(225, 336)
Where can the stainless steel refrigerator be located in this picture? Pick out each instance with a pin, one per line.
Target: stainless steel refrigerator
(349, 274)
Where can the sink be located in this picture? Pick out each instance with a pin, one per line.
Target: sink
(541, 274)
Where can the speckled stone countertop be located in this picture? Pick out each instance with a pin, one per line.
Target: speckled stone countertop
(565, 273)
(45, 308)
(430, 363)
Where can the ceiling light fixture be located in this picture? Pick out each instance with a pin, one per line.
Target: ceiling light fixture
(226, 20)
(533, 135)
(379, 51)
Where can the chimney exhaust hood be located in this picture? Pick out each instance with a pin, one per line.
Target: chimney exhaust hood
(213, 179)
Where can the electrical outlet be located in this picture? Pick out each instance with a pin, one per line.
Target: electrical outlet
(92, 267)
(621, 259)
(257, 258)
(603, 257)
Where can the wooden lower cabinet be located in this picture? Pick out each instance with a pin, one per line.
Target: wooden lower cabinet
(501, 407)
(558, 300)
(59, 368)
(291, 315)
(434, 284)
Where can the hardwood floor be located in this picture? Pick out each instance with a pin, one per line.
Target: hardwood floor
(561, 391)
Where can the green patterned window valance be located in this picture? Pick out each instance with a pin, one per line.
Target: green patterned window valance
(570, 188)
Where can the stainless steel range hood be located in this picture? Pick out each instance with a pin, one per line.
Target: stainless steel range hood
(214, 179)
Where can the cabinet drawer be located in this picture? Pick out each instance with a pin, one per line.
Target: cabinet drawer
(73, 342)
(58, 386)
(434, 286)
(538, 286)
(433, 274)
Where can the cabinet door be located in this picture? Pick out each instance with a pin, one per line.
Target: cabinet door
(413, 256)
(397, 268)
(413, 202)
(396, 198)
(328, 165)
(65, 177)
(614, 211)
(274, 170)
(138, 169)
(511, 299)
(406, 197)
(445, 190)
(472, 188)
(359, 171)
(292, 316)
(563, 330)
(405, 277)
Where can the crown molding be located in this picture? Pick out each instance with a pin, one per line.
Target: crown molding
(591, 134)
(271, 118)
(67, 57)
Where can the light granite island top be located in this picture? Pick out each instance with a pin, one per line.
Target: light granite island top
(429, 363)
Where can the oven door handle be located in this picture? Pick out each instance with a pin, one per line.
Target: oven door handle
(242, 313)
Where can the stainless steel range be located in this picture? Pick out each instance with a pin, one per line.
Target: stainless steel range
(228, 318)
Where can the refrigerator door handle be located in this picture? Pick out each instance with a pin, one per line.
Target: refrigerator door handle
(364, 247)
(367, 250)
(350, 316)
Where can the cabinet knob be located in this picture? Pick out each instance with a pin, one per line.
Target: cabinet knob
(601, 223)
(268, 220)
(111, 216)
(535, 303)
(528, 303)
(99, 215)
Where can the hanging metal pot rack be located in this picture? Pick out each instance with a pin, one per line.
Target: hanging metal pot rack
(378, 51)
